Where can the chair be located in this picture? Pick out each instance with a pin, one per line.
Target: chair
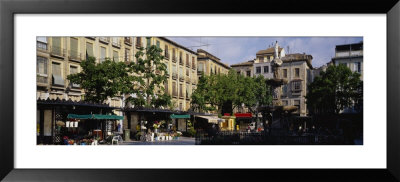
(116, 139)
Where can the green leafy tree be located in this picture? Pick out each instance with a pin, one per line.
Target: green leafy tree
(334, 90)
(148, 89)
(103, 80)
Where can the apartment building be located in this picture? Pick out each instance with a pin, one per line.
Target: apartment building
(244, 68)
(262, 63)
(296, 71)
(210, 64)
(350, 55)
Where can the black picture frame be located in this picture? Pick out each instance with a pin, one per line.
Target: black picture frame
(9, 8)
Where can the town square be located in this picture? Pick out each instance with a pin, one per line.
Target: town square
(199, 90)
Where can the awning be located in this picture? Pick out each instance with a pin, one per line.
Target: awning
(212, 119)
(243, 115)
(180, 116)
(95, 116)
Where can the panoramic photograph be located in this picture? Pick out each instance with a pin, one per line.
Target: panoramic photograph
(199, 90)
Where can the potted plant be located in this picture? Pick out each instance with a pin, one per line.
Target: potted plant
(178, 134)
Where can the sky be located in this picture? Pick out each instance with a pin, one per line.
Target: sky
(232, 50)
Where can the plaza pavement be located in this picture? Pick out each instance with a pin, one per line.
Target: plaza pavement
(180, 141)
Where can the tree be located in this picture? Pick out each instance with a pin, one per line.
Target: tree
(148, 89)
(103, 80)
(334, 90)
(215, 90)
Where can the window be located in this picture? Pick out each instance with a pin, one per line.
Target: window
(115, 41)
(219, 70)
(187, 60)
(158, 44)
(193, 63)
(73, 70)
(248, 73)
(148, 41)
(284, 89)
(127, 56)
(56, 46)
(297, 72)
(284, 73)
(258, 70)
(180, 72)
(57, 77)
(173, 54)
(89, 49)
(166, 87)
(174, 90)
(266, 69)
(187, 91)
(166, 52)
(180, 90)
(138, 42)
(296, 85)
(238, 72)
(41, 69)
(358, 67)
(73, 48)
(115, 56)
(297, 104)
(261, 59)
(285, 102)
(166, 68)
(180, 58)
(41, 43)
(187, 72)
(180, 106)
(102, 54)
(201, 67)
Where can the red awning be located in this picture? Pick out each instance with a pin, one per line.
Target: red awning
(243, 115)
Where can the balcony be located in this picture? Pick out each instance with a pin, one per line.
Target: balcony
(93, 38)
(187, 79)
(116, 44)
(74, 55)
(42, 79)
(128, 40)
(181, 78)
(193, 66)
(181, 61)
(187, 64)
(74, 86)
(174, 76)
(139, 45)
(174, 59)
(105, 40)
(57, 51)
(41, 46)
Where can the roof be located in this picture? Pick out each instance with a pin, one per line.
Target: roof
(298, 57)
(270, 50)
(177, 45)
(247, 63)
(210, 56)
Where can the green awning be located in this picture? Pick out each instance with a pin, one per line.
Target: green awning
(77, 116)
(182, 116)
(101, 116)
(95, 116)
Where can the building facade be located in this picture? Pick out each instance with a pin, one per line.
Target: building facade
(350, 55)
(244, 68)
(296, 71)
(262, 64)
(57, 57)
(210, 64)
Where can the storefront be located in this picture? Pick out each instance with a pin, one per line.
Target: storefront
(243, 121)
(53, 123)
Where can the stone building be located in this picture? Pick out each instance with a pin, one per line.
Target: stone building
(262, 64)
(244, 68)
(350, 55)
(210, 64)
(296, 71)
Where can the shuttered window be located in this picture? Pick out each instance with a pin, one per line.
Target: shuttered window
(56, 45)
(103, 54)
(74, 48)
(115, 56)
(89, 49)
